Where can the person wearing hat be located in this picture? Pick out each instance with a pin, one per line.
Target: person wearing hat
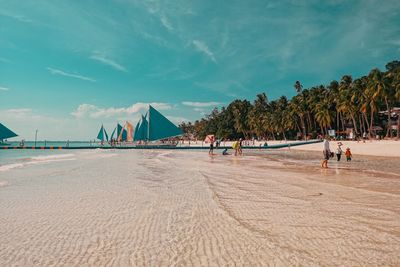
(326, 152)
(339, 151)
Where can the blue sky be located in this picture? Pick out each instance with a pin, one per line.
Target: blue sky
(68, 66)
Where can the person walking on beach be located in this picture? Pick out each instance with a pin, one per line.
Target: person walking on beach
(240, 146)
(211, 151)
(339, 151)
(235, 146)
(348, 154)
(326, 152)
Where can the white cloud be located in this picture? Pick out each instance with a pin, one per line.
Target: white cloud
(177, 120)
(202, 47)
(103, 59)
(200, 104)
(167, 24)
(76, 76)
(92, 111)
(2, 88)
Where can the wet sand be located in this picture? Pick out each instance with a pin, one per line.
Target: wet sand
(163, 208)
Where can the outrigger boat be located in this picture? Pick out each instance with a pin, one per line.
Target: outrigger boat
(154, 130)
(4, 134)
(102, 135)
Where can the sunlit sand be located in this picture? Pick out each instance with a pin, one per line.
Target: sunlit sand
(163, 208)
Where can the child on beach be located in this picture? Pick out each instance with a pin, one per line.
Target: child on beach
(348, 154)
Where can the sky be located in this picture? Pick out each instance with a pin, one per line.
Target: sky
(66, 67)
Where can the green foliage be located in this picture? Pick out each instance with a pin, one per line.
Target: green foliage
(345, 104)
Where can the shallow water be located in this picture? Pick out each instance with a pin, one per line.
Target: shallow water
(185, 208)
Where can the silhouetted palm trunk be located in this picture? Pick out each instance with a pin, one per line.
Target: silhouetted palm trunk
(372, 123)
(388, 108)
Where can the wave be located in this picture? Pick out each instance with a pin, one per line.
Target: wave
(37, 160)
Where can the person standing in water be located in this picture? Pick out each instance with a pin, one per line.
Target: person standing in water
(240, 146)
(211, 151)
(339, 151)
(348, 154)
(326, 152)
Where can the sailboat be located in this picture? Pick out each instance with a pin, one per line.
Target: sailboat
(102, 135)
(154, 127)
(5, 133)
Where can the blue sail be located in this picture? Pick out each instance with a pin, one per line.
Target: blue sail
(141, 132)
(105, 133)
(124, 136)
(5, 132)
(160, 127)
(119, 129)
(136, 133)
(113, 132)
(102, 134)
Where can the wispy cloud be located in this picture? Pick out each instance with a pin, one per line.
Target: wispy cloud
(166, 23)
(2, 88)
(72, 75)
(92, 111)
(107, 61)
(200, 104)
(17, 17)
(202, 47)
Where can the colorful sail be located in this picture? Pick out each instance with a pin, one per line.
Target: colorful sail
(102, 134)
(122, 133)
(5, 132)
(160, 127)
(129, 131)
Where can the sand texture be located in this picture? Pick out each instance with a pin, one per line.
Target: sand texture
(164, 208)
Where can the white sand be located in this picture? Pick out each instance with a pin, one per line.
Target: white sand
(163, 208)
(385, 148)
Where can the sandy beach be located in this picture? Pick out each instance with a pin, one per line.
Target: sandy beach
(182, 208)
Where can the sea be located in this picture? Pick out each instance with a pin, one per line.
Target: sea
(12, 158)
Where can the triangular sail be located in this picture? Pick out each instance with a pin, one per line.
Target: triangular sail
(136, 133)
(160, 127)
(141, 132)
(6, 133)
(113, 132)
(102, 135)
(129, 130)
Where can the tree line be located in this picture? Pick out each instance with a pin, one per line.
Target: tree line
(357, 104)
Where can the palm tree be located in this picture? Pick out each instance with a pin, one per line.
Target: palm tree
(296, 105)
(298, 86)
(345, 104)
(324, 114)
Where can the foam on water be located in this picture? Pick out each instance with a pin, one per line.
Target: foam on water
(22, 162)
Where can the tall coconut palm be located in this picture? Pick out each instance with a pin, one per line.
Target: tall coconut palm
(345, 103)
(298, 86)
(324, 114)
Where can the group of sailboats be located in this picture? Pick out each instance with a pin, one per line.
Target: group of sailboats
(153, 128)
